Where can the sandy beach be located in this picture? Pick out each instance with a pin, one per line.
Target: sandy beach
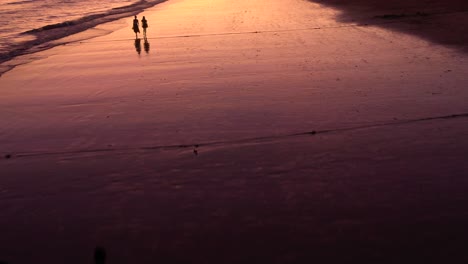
(284, 131)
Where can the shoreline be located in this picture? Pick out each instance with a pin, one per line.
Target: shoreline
(51, 36)
(400, 16)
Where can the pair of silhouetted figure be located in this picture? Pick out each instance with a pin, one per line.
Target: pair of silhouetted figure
(138, 45)
(136, 26)
(136, 29)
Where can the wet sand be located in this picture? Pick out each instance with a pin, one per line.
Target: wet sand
(249, 131)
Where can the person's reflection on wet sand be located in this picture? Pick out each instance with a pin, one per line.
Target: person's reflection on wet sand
(138, 46)
(99, 255)
(147, 46)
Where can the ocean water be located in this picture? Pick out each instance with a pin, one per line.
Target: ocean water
(26, 24)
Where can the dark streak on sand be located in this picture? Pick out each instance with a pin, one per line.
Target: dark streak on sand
(428, 19)
(237, 141)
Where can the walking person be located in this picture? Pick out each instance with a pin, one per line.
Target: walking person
(136, 27)
(144, 25)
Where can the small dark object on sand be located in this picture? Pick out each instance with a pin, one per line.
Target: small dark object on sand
(195, 152)
(397, 16)
(7, 156)
(392, 16)
(313, 132)
(99, 255)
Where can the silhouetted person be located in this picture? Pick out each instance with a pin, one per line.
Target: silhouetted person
(136, 27)
(99, 255)
(146, 45)
(138, 45)
(144, 25)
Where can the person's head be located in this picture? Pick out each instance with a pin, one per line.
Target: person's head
(135, 16)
